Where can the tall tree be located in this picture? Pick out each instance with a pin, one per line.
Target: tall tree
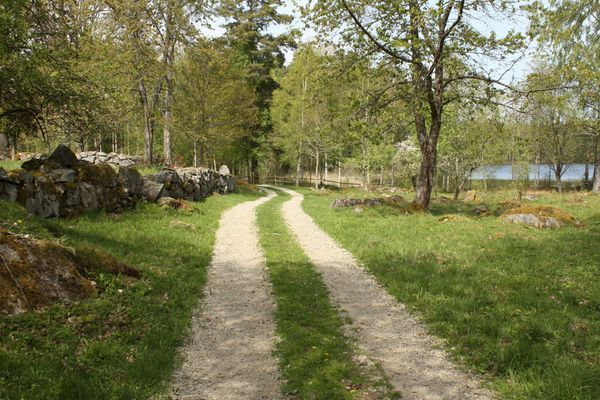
(570, 34)
(426, 41)
(215, 102)
(174, 22)
(247, 31)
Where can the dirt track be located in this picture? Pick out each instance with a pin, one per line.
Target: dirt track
(384, 329)
(229, 353)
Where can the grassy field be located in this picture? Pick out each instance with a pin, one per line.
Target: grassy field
(316, 357)
(517, 304)
(121, 344)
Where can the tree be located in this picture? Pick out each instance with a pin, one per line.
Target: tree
(303, 110)
(216, 103)
(426, 41)
(553, 118)
(173, 21)
(247, 27)
(46, 88)
(467, 142)
(569, 32)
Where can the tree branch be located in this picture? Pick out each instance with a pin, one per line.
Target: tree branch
(372, 38)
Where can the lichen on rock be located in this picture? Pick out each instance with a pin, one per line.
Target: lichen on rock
(539, 216)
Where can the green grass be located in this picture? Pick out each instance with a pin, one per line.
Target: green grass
(121, 344)
(315, 356)
(517, 304)
(10, 165)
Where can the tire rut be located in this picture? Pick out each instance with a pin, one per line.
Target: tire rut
(229, 354)
(385, 330)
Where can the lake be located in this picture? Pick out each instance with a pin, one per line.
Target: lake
(543, 172)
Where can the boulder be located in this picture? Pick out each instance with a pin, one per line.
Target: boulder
(8, 191)
(64, 156)
(33, 164)
(62, 175)
(470, 196)
(37, 274)
(152, 189)
(131, 180)
(98, 174)
(40, 197)
(482, 210)
(49, 166)
(88, 196)
(126, 163)
(532, 220)
(355, 202)
(541, 216)
(224, 170)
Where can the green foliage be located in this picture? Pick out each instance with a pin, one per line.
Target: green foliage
(216, 103)
(247, 24)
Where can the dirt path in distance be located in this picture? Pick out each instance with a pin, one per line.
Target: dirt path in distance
(229, 354)
(385, 330)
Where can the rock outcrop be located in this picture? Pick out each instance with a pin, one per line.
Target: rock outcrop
(36, 274)
(393, 201)
(539, 216)
(39, 273)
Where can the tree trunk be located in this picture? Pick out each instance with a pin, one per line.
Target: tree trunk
(3, 146)
(559, 170)
(13, 148)
(426, 172)
(148, 128)
(339, 174)
(456, 191)
(195, 153)
(169, 56)
(317, 170)
(298, 169)
(596, 186)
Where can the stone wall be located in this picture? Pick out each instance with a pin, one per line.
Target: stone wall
(186, 183)
(118, 160)
(62, 185)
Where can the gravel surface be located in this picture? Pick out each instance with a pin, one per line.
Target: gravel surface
(229, 354)
(384, 328)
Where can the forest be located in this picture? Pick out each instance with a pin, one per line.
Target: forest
(385, 92)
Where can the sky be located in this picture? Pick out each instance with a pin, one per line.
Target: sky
(500, 26)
